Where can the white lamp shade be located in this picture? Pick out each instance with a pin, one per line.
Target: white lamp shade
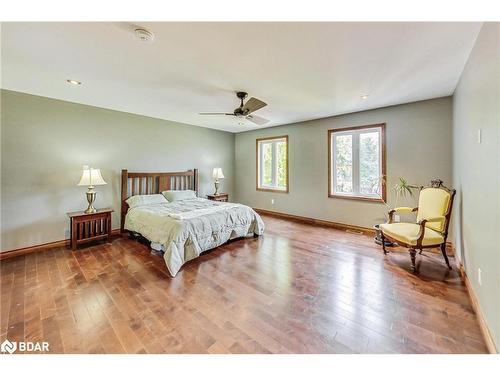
(91, 177)
(217, 173)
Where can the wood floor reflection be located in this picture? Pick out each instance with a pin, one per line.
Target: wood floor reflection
(297, 289)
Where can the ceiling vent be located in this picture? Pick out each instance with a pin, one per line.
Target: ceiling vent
(144, 35)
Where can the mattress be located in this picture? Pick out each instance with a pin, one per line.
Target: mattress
(187, 228)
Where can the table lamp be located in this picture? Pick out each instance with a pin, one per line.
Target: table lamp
(91, 177)
(217, 173)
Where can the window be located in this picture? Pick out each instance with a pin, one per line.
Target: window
(356, 163)
(272, 164)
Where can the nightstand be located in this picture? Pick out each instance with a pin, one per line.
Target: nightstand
(90, 227)
(221, 197)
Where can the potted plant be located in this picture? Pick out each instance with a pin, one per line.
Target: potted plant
(402, 189)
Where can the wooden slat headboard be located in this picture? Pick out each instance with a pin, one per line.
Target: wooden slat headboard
(134, 183)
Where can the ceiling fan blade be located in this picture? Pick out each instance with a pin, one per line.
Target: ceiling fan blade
(257, 119)
(252, 105)
(215, 114)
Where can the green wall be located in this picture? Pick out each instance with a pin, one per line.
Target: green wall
(476, 172)
(46, 142)
(418, 148)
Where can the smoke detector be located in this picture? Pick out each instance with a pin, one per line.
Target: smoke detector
(144, 35)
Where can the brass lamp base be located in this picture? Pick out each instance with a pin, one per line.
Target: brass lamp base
(216, 183)
(91, 199)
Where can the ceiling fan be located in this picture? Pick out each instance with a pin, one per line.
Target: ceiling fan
(245, 110)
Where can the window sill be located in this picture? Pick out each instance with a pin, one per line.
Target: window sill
(356, 198)
(271, 190)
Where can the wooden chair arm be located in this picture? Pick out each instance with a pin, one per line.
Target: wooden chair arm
(402, 210)
(436, 219)
(422, 223)
(421, 232)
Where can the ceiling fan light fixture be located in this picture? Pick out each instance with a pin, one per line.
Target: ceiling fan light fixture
(245, 110)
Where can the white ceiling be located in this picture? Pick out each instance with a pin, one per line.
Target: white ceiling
(302, 70)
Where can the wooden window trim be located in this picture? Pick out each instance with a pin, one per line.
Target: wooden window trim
(381, 126)
(270, 190)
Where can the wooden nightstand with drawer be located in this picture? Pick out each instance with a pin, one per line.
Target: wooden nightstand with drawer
(90, 227)
(221, 197)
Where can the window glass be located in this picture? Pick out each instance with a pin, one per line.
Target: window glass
(369, 163)
(267, 164)
(272, 164)
(356, 162)
(343, 163)
(281, 173)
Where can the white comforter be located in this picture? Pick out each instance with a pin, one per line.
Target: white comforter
(189, 227)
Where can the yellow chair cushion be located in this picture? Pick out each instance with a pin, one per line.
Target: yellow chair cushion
(408, 233)
(433, 202)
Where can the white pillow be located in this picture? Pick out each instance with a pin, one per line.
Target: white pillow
(178, 195)
(145, 200)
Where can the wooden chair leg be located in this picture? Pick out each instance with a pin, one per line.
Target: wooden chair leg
(383, 241)
(443, 251)
(413, 252)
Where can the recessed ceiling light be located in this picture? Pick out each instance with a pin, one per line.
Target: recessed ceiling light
(73, 82)
(364, 97)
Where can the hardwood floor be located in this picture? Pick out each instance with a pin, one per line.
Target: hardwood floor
(298, 289)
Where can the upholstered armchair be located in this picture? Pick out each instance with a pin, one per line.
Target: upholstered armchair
(433, 218)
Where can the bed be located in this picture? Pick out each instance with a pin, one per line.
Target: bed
(182, 229)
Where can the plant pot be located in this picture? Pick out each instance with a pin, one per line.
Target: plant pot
(378, 237)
